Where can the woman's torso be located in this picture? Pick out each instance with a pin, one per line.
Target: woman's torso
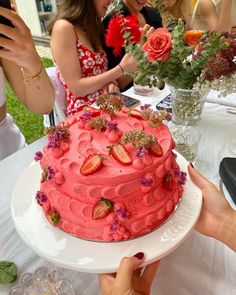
(92, 64)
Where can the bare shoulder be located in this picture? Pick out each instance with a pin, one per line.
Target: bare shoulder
(206, 7)
(62, 26)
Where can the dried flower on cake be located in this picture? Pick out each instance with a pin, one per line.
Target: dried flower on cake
(56, 135)
(98, 123)
(85, 116)
(48, 173)
(38, 156)
(139, 138)
(112, 126)
(41, 198)
(146, 181)
(110, 103)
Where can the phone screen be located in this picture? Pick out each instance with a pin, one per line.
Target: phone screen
(165, 104)
(3, 20)
(129, 102)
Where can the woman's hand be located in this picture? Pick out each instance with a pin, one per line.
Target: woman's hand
(18, 47)
(129, 63)
(146, 31)
(129, 279)
(217, 218)
(111, 87)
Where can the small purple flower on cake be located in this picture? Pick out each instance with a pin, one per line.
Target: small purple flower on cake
(112, 126)
(38, 156)
(146, 106)
(146, 181)
(181, 175)
(86, 116)
(48, 173)
(53, 140)
(141, 152)
(122, 213)
(41, 198)
(114, 226)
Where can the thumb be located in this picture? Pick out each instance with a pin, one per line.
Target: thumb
(198, 178)
(126, 269)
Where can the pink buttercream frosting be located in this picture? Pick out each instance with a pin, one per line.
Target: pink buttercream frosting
(137, 208)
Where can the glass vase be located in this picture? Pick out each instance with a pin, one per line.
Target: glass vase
(187, 106)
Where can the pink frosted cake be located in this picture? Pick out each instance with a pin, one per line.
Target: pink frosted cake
(109, 177)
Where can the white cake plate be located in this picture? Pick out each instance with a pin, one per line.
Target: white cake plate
(73, 253)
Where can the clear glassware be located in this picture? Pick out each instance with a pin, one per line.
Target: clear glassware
(16, 290)
(46, 280)
(65, 288)
(187, 140)
(26, 279)
(187, 106)
(143, 90)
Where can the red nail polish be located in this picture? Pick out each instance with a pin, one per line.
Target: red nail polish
(139, 255)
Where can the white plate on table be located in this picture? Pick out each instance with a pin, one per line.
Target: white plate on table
(73, 253)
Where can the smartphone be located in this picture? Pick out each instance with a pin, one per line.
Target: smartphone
(129, 102)
(165, 104)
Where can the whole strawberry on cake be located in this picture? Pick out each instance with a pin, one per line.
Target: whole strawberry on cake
(110, 174)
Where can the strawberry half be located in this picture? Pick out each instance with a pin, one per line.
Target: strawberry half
(156, 150)
(136, 114)
(91, 164)
(120, 153)
(102, 209)
(95, 112)
(168, 181)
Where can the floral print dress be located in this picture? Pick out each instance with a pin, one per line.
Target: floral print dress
(92, 64)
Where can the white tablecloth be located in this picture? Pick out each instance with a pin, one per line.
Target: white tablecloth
(200, 266)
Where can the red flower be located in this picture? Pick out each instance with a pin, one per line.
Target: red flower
(158, 45)
(114, 35)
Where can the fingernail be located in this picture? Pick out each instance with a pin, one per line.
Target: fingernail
(139, 255)
(191, 165)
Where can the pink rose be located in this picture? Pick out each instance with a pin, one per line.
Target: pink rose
(158, 45)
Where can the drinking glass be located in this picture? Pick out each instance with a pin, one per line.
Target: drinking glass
(187, 141)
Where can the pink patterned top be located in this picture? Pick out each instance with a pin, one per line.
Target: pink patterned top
(92, 64)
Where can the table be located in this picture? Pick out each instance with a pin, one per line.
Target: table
(199, 266)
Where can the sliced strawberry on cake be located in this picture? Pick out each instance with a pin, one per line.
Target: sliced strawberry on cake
(155, 150)
(136, 114)
(102, 209)
(95, 112)
(92, 164)
(120, 153)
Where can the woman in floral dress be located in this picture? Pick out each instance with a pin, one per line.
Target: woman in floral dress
(76, 43)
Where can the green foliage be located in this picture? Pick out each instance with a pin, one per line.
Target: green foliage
(180, 69)
(8, 272)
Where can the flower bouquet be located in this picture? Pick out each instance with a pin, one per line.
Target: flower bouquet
(191, 64)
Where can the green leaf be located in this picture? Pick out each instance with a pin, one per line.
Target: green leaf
(8, 272)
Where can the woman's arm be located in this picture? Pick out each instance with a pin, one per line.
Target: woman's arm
(217, 219)
(221, 23)
(63, 44)
(19, 52)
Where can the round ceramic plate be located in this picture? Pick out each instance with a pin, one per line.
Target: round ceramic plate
(73, 253)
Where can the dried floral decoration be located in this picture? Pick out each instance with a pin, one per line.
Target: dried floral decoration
(155, 118)
(56, 135)
(48, 173)
(38, 156)
(54, 217)
(139, 138)
(110, 103)
(98, 123)
(41, 198)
